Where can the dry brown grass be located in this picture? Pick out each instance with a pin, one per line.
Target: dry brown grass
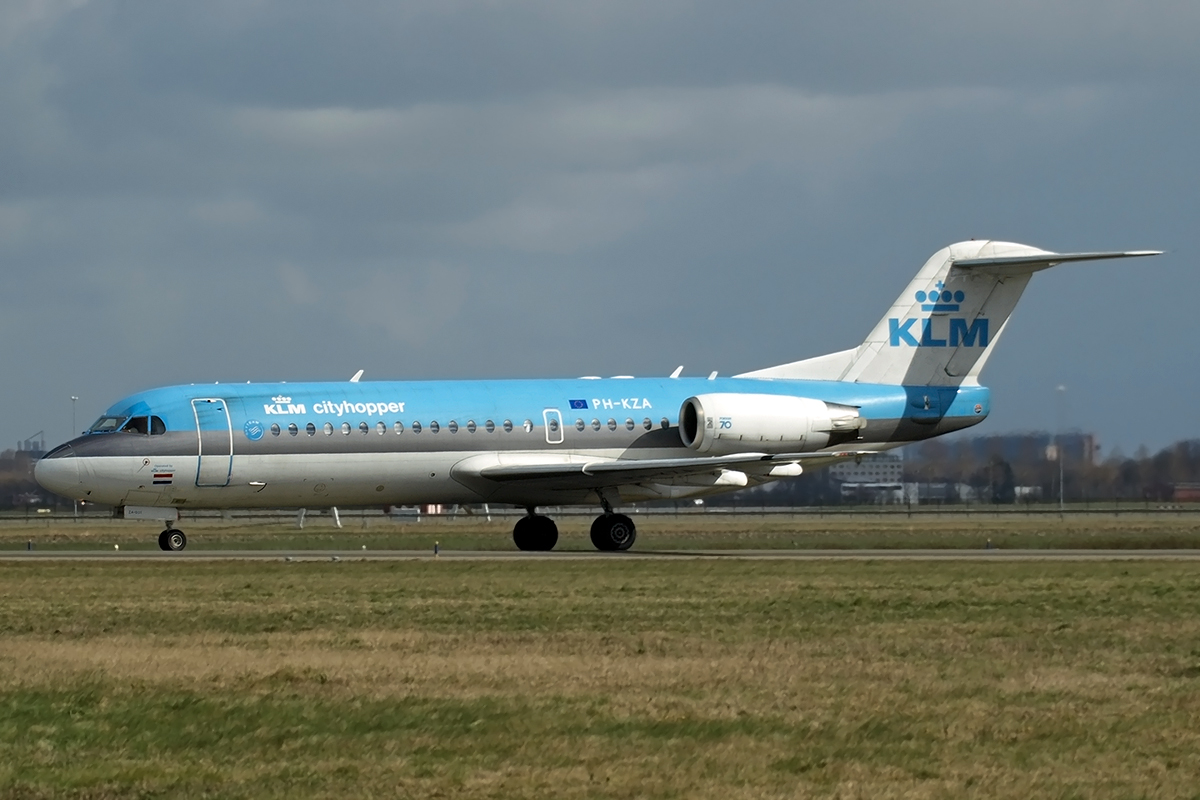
(616, 679)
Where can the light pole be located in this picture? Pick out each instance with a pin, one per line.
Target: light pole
(74, 503)
(1062, 392)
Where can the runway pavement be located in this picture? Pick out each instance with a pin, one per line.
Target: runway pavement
(587, 555)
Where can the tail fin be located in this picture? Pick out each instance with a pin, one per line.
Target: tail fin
(942, 329)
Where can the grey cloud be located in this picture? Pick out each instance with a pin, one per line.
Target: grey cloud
(235, 191)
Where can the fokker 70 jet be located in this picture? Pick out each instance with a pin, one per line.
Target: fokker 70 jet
(537, 443)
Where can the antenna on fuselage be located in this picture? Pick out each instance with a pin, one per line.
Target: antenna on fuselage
(678, 371)
(357, 375)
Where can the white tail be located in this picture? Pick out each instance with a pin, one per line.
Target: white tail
(942, 329)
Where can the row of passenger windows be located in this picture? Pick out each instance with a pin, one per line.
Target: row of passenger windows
(452, 426)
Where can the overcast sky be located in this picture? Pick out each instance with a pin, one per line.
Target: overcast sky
(270, 190)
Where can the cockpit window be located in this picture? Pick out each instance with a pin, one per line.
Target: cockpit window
(144, 425)
(107, 424)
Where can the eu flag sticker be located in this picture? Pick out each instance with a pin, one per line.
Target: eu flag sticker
(579, 404)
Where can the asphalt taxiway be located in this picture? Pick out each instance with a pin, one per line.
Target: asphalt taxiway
(591, 555)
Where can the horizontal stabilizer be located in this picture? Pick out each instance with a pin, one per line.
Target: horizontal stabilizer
(1042, 261)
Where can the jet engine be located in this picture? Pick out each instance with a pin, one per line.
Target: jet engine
(721, 424)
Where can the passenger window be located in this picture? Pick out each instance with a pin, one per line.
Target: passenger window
(612, 424)
(274, 428)
(666, 423)
(380, 428)
(489, 426)
(452, 426)
(157, 426)
(470, 426)
(398, 427)
(529, 426)
(508, 426)
(346, 428)
(416, 427)
(292, 429)
(647, 424)
(310, 429)
(553, 425)
(329, 429)
(595, 424)
(363, 428)
(580, 425)
(629, 424)
(434, 427)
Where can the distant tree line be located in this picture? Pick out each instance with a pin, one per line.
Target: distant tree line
(999, 466)
(1014, 469)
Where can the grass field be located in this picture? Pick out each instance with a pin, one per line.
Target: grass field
(618, 678)
(720, 531)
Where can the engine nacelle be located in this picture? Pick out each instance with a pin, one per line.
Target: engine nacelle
(765, 423)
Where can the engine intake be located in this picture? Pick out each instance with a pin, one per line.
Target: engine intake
(767, 423)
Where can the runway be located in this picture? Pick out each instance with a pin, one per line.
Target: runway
(589, 555)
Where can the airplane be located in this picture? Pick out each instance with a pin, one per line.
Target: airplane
(538, 443)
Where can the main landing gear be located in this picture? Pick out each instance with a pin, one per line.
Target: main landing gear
(613, 532)
(172, 539)
(610, 532)
(535, 532)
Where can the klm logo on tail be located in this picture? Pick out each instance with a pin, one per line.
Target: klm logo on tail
(939, 331)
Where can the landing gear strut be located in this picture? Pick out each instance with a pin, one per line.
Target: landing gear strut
(535, 532)
(172, 539)
(612, 531)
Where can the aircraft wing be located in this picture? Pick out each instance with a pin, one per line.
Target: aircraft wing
(601, 473)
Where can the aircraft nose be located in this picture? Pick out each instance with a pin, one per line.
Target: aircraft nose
(58, 472)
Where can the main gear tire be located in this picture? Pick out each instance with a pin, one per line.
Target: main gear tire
(535, 533)
(613, 532)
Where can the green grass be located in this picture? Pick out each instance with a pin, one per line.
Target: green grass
(720, 531)
(599, 679)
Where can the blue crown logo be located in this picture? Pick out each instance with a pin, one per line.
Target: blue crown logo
(940, 299)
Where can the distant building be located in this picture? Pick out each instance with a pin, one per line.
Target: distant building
(19, 462)
(872, 479)
(1186, 493)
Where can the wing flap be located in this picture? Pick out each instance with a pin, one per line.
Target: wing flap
(592, 474)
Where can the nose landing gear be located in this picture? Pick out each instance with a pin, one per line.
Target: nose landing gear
(172, 539)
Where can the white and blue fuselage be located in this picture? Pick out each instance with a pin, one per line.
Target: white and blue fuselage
(399, 443)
